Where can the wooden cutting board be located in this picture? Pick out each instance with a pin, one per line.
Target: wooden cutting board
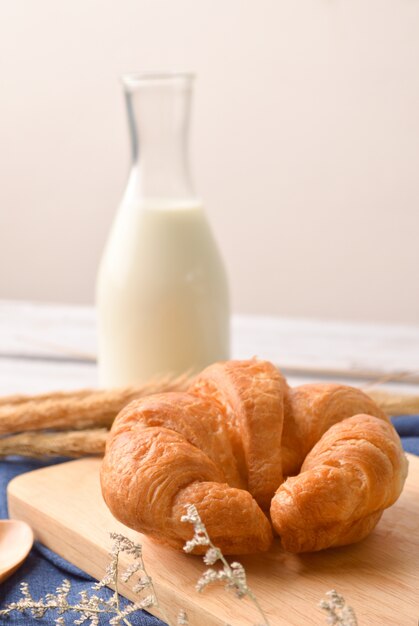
(379, 577)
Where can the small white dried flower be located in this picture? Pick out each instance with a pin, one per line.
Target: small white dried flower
(24, 588)
(83, 597)
(122, 615)
(338, 612)
(182, 619)
(237, 581)
(142, 584)
(131, 570)
(64, 589)
(123, 544)
(110, 573)
(200, 537)
(233, 575)
(208, 577)
(191, 515)
(148, 601)
(211, 556)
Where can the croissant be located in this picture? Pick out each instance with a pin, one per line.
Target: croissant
(317, 464)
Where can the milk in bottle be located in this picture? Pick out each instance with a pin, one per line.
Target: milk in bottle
(162, 295)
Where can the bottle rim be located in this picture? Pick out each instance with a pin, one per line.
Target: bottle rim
(131, 80)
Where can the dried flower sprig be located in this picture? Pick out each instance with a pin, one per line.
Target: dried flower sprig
(234, 575)
(143, 584)
(338, 612)
(89, 608)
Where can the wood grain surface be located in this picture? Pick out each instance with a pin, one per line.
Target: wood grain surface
(379, 577)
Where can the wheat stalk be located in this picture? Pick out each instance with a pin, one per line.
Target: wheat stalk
(85, 414)
(16, 399)
(79, 410)
(395, 403)
(73, 443)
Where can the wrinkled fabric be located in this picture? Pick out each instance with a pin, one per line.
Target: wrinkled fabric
(408, 428)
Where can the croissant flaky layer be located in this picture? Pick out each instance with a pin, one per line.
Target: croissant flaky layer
(353, 472)
(317, 464)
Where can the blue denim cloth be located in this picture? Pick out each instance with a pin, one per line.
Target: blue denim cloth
(408, 429)
(44, 570)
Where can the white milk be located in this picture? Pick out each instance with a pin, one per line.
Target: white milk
(162, 294)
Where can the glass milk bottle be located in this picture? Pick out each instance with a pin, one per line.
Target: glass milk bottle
(162, 295)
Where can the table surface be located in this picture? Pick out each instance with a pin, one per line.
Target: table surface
(45, 347)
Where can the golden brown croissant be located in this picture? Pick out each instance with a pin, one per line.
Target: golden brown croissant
(226, 446)
(351, 475)
(216, 449)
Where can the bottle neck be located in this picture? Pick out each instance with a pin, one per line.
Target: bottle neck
(158, 109)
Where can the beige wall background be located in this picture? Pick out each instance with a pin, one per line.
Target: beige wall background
(305, 144)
